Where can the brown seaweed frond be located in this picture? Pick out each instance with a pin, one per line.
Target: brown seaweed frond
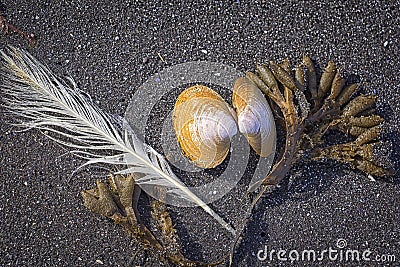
(119, 203)
(311, 108)
(8, 28)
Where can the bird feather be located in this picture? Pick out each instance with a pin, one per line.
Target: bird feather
(57, 107)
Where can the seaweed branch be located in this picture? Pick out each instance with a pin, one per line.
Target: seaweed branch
(120, 204)
(310, 110)
(8, 28)
(307, 119)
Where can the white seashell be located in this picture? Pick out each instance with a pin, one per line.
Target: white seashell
(204, 126)
(255, 117)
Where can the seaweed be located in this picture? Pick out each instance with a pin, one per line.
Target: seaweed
(311, 107)
(329, 106)
(118, 202)
(8, 28)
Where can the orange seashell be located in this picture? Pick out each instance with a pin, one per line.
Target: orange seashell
(255, 117)
(204, 125)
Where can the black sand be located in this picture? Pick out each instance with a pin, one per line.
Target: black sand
(111, 49)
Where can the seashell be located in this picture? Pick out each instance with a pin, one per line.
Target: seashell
(204, 125)
(255, 118)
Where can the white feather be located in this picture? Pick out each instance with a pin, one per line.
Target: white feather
(47, 103)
